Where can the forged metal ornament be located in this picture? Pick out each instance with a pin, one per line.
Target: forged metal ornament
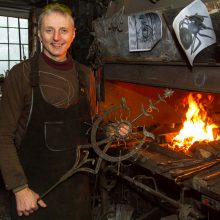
(145, 31)
(116, 147)
(193, 29)
(116, 24)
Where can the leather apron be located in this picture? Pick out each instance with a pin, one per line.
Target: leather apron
(48, 151)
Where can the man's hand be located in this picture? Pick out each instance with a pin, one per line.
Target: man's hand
(121, 129)
(27, 202)
(124, 129)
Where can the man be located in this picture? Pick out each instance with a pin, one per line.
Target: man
(45, 101)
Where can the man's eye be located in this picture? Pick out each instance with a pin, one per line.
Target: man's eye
(64, 30)
(49, 30)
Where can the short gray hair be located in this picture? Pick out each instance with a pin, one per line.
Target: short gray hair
(57, 8)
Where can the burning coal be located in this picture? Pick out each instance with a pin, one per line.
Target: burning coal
(198, 126)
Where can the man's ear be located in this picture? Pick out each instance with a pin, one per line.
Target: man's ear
(39, 36)
(74, 34)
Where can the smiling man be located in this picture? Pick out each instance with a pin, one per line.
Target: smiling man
(45, 101)
(56, 32)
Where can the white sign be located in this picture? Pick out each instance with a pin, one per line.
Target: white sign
(194, 30)
(145, 30)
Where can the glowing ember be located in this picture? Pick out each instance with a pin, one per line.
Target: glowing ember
(197, 127)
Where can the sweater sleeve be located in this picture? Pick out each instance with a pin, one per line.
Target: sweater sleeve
(12, 106)
(90, 84)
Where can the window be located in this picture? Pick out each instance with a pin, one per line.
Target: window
(13, 42)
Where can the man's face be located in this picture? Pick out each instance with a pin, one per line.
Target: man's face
(56, 34)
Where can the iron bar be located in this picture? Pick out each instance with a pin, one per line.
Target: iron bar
(146, 188)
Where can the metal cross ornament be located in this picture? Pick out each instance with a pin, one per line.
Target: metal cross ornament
(116, 147)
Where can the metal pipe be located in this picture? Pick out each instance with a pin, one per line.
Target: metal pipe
(173, 202)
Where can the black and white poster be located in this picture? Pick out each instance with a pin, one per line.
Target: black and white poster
(194, 30)
(145, 30)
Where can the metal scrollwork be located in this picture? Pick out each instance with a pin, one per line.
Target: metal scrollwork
(116, 147)
(95, 55)
(117, 21)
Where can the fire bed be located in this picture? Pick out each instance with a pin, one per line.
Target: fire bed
(185, 184)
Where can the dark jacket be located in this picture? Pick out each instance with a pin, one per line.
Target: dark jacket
(59, 88)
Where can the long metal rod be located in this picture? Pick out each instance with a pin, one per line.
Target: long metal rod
(173, 202)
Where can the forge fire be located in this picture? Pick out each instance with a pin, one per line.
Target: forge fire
(198, 126)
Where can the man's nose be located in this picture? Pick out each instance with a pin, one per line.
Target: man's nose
(56, 35)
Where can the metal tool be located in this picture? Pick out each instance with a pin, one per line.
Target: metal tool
(185, 174)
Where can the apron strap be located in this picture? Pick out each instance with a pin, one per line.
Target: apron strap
(34, 74)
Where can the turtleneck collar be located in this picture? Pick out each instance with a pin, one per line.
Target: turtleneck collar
(64, 65)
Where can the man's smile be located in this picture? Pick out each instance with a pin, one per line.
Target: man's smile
(57, 45)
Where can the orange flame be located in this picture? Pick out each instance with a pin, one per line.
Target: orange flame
(197, 127)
